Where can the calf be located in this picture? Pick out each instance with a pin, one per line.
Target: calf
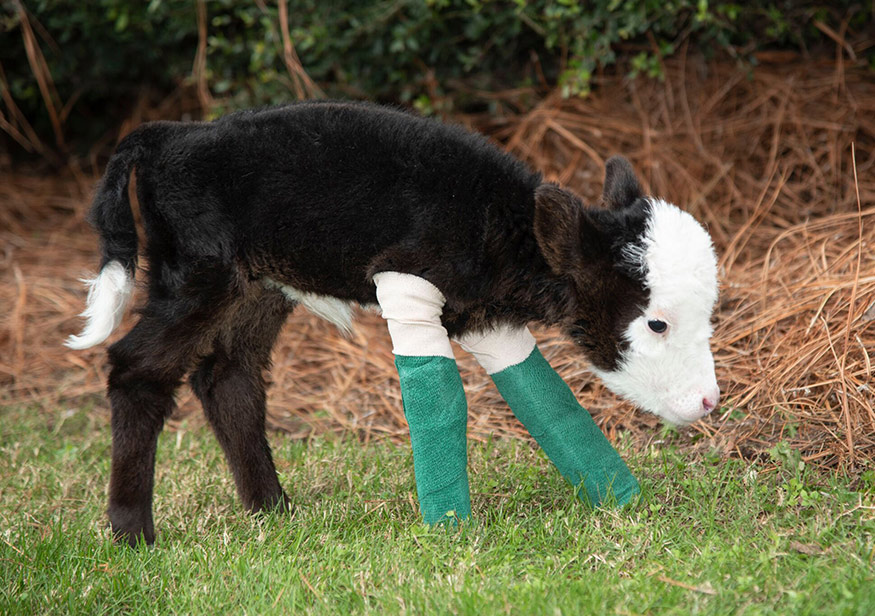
(329, 204)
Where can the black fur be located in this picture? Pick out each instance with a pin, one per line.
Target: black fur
(321, 196)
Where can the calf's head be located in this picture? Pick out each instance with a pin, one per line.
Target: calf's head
(644, 280)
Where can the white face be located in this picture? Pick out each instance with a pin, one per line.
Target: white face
(668, 368)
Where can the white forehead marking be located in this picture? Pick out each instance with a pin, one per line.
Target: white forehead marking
(678, 259)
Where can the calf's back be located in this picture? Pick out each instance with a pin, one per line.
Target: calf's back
(320, 196)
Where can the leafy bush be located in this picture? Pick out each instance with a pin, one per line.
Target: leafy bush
(103, 54)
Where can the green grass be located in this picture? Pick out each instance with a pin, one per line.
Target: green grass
(708, 537)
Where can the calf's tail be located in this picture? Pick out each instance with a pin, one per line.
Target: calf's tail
(110, 291)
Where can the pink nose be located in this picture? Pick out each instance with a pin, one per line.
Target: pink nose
(709, 403)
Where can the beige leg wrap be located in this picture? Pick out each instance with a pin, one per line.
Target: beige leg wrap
(412, 307)
(499, 348)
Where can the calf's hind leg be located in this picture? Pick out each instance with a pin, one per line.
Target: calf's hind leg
(148, 365)
(231, 388)
(179, 320)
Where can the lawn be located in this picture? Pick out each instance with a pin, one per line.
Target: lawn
(709, 536)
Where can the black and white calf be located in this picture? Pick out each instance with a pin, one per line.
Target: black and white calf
(257, 212)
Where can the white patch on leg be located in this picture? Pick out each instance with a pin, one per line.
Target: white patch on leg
(671, 374)
(108, 295)
(330, 308)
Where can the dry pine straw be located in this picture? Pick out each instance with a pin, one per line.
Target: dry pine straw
(764, 158)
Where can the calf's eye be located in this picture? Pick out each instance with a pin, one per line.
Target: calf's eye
(657, 326)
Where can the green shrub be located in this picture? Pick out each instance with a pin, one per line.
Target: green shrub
(101, 55)
(104, 53)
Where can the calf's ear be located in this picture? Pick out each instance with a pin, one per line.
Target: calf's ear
(621, 186)
(557, 226)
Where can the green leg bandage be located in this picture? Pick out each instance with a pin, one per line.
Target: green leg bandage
(565, 430)
(437, 413)
(434, 401)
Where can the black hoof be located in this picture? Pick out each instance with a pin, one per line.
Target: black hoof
(279, 503)
(131, 526)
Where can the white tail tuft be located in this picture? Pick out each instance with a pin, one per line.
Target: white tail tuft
(108, 294)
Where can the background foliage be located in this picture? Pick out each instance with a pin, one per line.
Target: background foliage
(103, 55)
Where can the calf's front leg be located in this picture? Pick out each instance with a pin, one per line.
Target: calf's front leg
(545, 405)
(432, 394)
